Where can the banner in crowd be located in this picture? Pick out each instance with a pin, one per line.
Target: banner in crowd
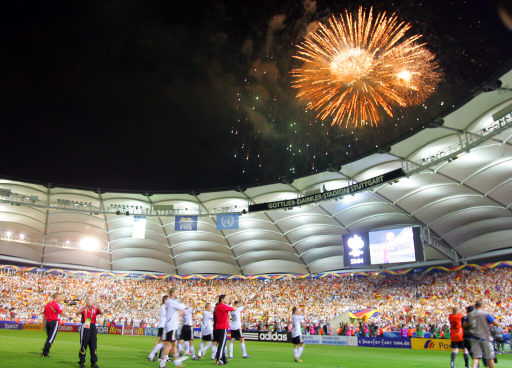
(431, 344)
(384, 342)
(227, 221)
(487, 266)
(363, 314)
(185, 223)
(329, 194)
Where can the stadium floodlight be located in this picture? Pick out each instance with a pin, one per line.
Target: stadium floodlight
(139, 227)
(21, 236)
(8, 234)
(89, 244)
(351, 198)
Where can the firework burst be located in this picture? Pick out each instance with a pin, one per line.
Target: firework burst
(357, 66)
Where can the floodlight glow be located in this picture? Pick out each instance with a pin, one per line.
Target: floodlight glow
(351, 198)
(22, 236)
(8, 234)
(89, 244)
(139, 227)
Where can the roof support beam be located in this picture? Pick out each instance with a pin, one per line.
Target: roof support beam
(435, 242)
(433, 239)
(279, 228)
(109, 251)
(167, 238)
(201, 205)
(45, 224)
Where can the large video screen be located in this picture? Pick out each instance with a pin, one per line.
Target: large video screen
(393, 245)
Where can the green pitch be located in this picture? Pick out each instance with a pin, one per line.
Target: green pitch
(22, 349)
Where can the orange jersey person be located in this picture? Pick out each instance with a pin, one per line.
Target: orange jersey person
(456, 332)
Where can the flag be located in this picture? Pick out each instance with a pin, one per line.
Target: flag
(227, 221)
(185, 223)
(363, 314)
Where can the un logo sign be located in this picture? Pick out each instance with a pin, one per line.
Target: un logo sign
(227, 221)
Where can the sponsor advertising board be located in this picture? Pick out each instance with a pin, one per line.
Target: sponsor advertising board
(430, 344)
(383, 342)
(197, 333)
(352, 340)
(150, 331)
(8, 325)
(326, 340)
(133, 331)
(114, 330)
(102, 329)
(251, 336)
(32, 327)
(69, 328)
(274, 336)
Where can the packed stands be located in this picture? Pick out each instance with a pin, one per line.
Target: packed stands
(394, 300)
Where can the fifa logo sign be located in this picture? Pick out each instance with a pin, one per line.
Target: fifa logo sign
(185, 223)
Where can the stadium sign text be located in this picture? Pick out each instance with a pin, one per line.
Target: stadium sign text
(9, 325)
(29, 326)
(431, 344)
(384, 342)
(273, 336)
(351, 189)
(69, 328)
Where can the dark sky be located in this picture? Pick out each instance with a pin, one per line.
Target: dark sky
(149, 95)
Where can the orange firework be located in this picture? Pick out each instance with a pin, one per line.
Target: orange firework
(356, 67)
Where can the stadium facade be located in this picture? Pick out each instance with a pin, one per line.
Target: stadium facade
(457, 186)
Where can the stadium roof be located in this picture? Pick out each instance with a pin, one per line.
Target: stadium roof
(458, 188)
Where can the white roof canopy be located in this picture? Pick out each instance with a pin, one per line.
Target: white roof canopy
(464, 200)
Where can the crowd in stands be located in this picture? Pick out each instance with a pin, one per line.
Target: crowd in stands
(406, 300)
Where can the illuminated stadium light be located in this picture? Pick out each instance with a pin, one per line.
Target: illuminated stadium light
(351, 198)
(89, 244)
(139, 227)
(8, 234)
(21, 236)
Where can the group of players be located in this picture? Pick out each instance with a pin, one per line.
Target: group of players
(214, 327)
(172, 313)
(472, 335)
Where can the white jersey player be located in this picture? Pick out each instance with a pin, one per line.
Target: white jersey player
(161, 329)
(207, 332)
(187, 331)
(174, 308)
(297, 341)
(235, 326)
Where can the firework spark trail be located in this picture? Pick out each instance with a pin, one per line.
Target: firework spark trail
(356, 66)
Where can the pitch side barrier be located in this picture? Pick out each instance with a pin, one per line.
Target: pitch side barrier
(267, 336)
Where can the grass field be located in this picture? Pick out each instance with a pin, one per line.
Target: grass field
(22, 349)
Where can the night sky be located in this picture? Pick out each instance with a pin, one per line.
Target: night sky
(149, 95)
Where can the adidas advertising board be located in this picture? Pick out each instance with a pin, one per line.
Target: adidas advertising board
(251, 336)
(273, 336)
